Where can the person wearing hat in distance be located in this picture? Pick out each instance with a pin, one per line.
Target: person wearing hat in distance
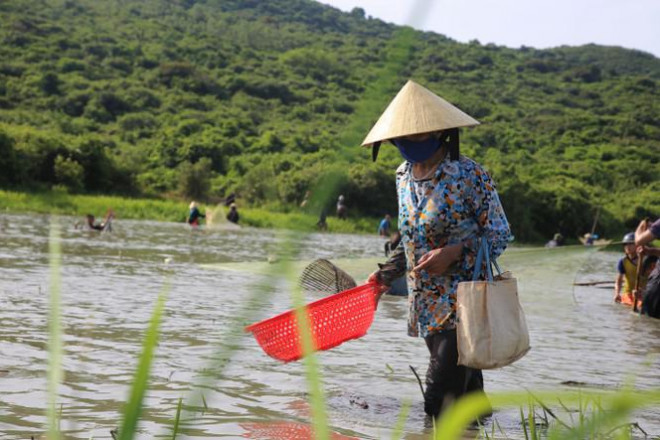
(446, 201)
(626, 268)
(647, 232)
(194, 215)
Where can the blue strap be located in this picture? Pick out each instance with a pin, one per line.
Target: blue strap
(497, 267)
(489, 270)
(484, 252)
(477, 263)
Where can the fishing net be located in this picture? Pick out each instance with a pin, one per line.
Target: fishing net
(323, 276)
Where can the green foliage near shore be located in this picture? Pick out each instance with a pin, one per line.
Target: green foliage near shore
(59, 202)
(159, 98)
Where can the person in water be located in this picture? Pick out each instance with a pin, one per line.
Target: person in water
(384, 226)
(232, 215)
(91, 223)
(626, 278)
(342, 210)
(105, 225)
(322, 223)
(447, 202)
(557, 240)
(194, 215)
(647, 232)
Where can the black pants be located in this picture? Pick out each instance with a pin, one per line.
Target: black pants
(651, 301)
(446, 381)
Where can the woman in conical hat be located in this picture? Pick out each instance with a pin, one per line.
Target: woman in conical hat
(446, 201)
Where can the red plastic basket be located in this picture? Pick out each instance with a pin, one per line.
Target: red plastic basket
(334, 319)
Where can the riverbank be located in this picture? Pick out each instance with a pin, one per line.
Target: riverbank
(62, 203)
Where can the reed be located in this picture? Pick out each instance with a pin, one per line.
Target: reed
(134, 406)
(54, 331)
(594, 415)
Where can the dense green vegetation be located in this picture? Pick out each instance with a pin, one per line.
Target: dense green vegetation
(62, 203)
(173, 98)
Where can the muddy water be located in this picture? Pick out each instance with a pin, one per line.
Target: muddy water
(110, 283)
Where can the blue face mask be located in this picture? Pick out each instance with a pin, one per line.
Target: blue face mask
(417, 151)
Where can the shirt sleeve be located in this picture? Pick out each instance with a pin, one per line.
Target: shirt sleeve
(619, 267)
(489, 213)
(394, 267)
(655, 228)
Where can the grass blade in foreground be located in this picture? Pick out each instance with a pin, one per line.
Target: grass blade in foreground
(54, 330)
(234, 334)
(177, 419)
(316, 395)
(401, 420)
(133, 408)
(608, 412)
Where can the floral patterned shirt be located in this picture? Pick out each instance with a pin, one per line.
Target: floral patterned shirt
(456, 205)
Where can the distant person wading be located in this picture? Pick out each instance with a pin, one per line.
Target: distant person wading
(341, 208)
(194, 215)
(232, 215)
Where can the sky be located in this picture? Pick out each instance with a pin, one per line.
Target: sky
(633, 24)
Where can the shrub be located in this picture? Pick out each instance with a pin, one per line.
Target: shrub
(195, 179)
(68, 172)
(74, 104)
(49, 84)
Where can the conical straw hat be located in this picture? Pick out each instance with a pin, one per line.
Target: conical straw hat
(416, 110)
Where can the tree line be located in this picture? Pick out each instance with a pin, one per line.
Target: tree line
(185, 98)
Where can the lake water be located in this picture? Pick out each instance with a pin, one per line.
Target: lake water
(110, 283)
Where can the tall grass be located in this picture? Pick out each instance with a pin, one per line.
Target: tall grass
(54, 331)
(580, 414)
(58, 202)
(170, 210)
(133, 408)
(314, 383)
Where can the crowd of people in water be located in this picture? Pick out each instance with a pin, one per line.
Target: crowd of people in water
(637, 279)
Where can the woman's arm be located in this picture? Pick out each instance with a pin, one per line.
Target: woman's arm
(392, 269)
(489, 213)
(617, 287)
(645, 233)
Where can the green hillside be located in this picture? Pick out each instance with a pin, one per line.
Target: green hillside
(170, 98)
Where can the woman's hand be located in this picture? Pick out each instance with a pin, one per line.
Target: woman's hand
(643, 234)
(437, 261)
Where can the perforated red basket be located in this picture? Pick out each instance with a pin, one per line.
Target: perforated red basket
(334, 319)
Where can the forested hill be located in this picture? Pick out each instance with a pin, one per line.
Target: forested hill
(262, 98)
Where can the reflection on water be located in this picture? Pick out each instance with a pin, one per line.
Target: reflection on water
(111, 281)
